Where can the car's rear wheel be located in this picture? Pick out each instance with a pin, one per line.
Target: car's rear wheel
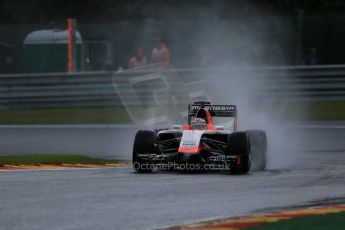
(258, 146)
(239, 147)
(143, 147)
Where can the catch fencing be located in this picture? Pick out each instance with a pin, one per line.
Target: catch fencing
(101, 89)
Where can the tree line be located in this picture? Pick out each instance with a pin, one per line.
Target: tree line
(39, 11)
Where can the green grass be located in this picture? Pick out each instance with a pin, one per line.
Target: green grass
(318, 110)
(53, 159)
(321, 222)
(64, 116)
(331, 110)
(326, 110)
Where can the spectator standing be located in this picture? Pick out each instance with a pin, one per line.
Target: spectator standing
(138, 60)
(312, 58)
(160, 53)
(204, 57)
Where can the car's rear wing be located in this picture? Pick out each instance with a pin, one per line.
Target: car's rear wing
(214, 110)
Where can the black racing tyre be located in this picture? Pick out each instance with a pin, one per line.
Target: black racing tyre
(239, 145)
(143, 144)
(258, 144)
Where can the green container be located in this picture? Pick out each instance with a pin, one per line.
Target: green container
(45, 51)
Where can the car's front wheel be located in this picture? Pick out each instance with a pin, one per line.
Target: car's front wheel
(258, 145)
(142, 149)
(239, 147)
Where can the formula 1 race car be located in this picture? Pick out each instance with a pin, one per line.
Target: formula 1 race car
(200, 144)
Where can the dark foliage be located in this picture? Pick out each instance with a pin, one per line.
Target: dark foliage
(37, 11)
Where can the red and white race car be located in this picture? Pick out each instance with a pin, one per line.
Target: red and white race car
(201, 144)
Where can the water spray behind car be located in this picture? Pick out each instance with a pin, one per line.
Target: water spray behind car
(237, 49)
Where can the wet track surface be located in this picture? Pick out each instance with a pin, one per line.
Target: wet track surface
(94, 140)
(122, 199)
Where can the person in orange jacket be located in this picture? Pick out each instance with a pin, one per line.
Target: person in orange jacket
(160, 53)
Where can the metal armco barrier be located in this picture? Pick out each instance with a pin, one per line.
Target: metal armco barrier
(57, 90)
(170, 86)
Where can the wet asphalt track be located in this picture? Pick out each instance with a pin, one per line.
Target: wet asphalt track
(122, 199)
(112, 141)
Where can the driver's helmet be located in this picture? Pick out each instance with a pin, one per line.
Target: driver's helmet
(198, 123)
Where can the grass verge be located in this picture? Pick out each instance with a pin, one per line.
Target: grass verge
(64, 116)
(326, 110)
(321, 222)
(53, 159)
(306, 110)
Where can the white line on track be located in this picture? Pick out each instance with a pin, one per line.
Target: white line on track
(321, 126)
